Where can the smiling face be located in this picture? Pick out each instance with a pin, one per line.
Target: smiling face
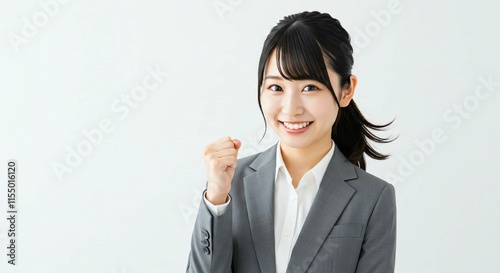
(301, 112)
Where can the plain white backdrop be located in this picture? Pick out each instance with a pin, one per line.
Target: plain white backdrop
(107, 106)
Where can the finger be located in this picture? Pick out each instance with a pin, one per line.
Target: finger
(221, 144)
(223, 163)
(225, 152)
(223, 139)
(228, 144)
(237, 144)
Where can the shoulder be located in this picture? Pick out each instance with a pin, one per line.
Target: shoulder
(365, 177)
(369, 185)
(360, 180)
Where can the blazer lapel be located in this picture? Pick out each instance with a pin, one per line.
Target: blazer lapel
(331, 199)
(259, 195)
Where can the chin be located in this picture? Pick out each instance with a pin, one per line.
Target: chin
(295, 143)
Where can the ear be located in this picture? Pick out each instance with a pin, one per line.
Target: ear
(348, 92)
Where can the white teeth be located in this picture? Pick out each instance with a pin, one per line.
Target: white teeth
(295, 126)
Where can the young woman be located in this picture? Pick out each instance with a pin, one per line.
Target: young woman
(306, 204)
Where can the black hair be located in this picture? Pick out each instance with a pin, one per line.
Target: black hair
(306, 43)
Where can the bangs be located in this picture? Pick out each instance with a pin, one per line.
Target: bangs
(299, 56)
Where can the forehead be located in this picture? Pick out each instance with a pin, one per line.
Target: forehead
(271, 64)
(271, 69)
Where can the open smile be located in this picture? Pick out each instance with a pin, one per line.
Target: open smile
(296, 125)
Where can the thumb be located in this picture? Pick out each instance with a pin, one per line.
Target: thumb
(237, 143)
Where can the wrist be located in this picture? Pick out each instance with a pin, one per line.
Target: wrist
(216, 198)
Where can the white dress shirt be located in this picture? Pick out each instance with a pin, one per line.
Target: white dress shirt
(291, 205)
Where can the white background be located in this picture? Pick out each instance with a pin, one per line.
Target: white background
(129, 205)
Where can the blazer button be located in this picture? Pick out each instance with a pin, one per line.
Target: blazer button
(205, 242)
(205, 234)
(206, 250)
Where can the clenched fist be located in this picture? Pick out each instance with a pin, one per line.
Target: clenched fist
(220, 163)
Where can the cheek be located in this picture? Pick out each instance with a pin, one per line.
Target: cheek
(269, 107)
(325, 110)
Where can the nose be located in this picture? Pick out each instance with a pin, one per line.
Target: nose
(292, 104)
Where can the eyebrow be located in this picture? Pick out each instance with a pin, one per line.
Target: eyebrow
(273, 77)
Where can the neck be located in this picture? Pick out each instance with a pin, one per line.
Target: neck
(304, 158)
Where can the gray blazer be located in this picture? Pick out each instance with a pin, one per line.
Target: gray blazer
(351, 226)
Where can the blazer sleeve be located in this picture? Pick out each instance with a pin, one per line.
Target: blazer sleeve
(378, 252)
(211, 242)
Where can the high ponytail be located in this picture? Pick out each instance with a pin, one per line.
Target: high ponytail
(307, 44)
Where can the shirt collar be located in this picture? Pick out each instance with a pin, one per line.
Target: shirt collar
(318, 171)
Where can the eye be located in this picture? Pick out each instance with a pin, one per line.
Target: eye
(275, 88)
(311, 88)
